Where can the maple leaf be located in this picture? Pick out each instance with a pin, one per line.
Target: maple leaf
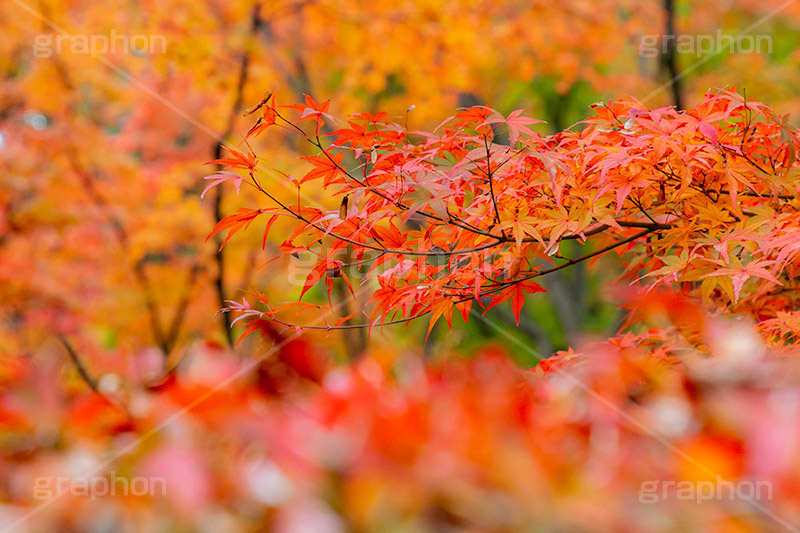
(516, 293)
(325, 167)
(239, 160)
(380, 116)
(312, 110)
(222, 177)
(475, 117)
(635, 181)
(442, 307)
(243, 309)
(241, 219)
(390, 236)
(742, 273)
(357, 135)
(709, 132)
(516, 124)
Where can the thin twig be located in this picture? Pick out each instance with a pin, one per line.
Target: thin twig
(87, 377)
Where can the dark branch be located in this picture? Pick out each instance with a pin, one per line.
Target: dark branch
(256, 23)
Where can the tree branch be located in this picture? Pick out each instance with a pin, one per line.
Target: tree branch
(256, 23)
(669, 60)
(87, 378)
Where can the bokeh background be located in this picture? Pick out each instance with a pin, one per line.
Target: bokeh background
(106, 281)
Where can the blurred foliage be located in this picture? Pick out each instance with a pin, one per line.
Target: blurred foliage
(102, 257)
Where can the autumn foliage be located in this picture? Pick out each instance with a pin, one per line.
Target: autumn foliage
(703, 201)
(538, 314)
